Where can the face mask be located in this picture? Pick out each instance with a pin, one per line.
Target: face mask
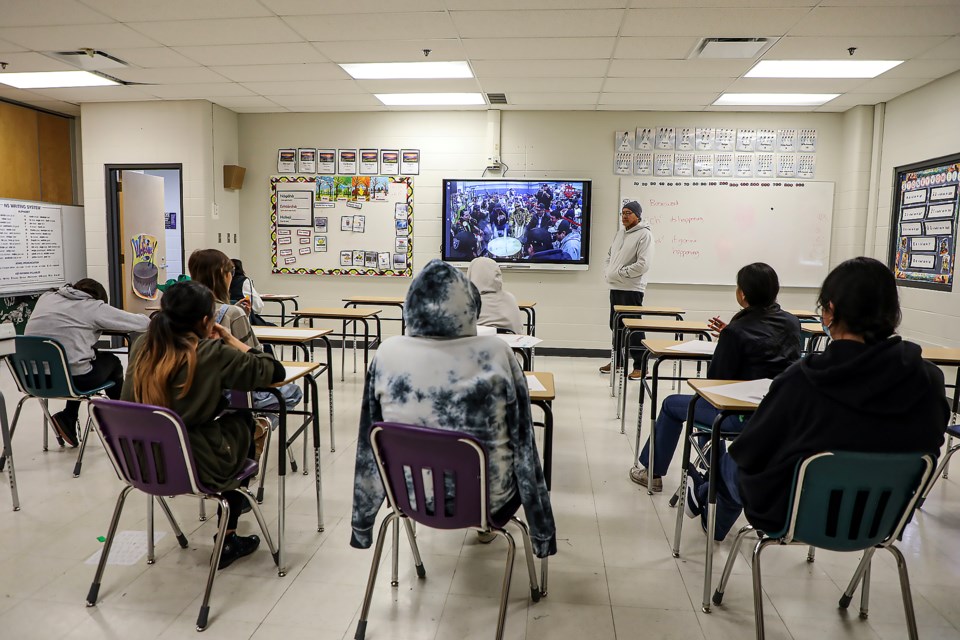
(826, 329)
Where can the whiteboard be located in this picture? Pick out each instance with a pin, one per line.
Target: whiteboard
(705, 230)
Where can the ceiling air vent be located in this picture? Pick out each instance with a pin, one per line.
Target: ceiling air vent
(88, 59)
(731, 48)
(497, 98)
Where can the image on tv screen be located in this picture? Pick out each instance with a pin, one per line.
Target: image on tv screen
(516, 220)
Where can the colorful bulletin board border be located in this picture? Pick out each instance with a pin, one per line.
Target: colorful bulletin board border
(406, 272)
(923, 239)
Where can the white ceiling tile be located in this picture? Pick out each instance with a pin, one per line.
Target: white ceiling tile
(183, 75)
(304, 87)
(368, 28)
(196, 91)
(659, 107)
(563, 23)
(723, 4)
(510, 5)
(447, 85)
(665, 85)
(31, 13)
(273, 109)
(679, 68)
(97, 94)
(392, 50)
(20, 95)
(31, 61)
(889, 85)
(714, 22)
(833, 48)
(853, 99)
(949, 50)
(233, 102)
(312, 7)
(95, 36)
(283, 72)
(540, 49)
(185, 33)
(920, 68)
(10, 47)
(542, 85)
(765, 109)
(903, 20)
(329, 100)
(656, 99)
(655, 48)
(288, 53)
(336, 108)
(553, 98)
(539, 68)
(794, 85)
(147, 10)
(153, 57)
(883, 3)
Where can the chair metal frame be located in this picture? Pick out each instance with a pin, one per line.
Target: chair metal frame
(485, 525)
(787, 537)
(196, 490)
(953, 431)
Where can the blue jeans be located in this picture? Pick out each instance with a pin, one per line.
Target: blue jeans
(669, 428)
(729, 506)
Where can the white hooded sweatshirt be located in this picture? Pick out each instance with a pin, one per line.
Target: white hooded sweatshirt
(498, 308)
(629, 258)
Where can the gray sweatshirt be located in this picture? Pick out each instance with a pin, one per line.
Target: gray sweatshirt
(75, 319)
(629, 258)
(498, 308)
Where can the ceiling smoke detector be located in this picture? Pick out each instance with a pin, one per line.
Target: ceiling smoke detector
(730, 48)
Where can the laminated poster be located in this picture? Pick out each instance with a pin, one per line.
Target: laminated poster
(623, 141)
(644, 140)
(346, 223)
(327, 161)
(287, 161)
(342, 187)
(786, 165)
(766, 140)
(703, 165)
(683, 165)
(725, 139)
(643, 164)
(402, 227)
(347, 161)
(764, 167)
(346, 258)
(145, 272)
(389, 162)
(369, 162)
(305, 251)
(383, 261)
(723, 165)
(400, 211)
(399, 261)
(402, 244)
(320, 225)
(744, 165)
(307, 161)
(622, 163)
(704, 139)
(295, 208)
(359, 223)
(360, 188)
(410, 162)
(663, 164)
(787, 140)
(370, 259)
(379, 188)
(325, 192)
(320, 244)
(357, 258)
(685, 139)
(746, 139)
(808, 140)
(666, 138)
(806, 166)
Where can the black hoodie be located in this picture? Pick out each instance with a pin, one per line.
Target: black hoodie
(881, 398)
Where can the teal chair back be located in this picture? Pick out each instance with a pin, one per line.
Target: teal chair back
(41, 369)
(845, 501)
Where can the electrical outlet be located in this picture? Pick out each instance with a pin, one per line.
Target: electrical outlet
(215, 211)
(228, 237)
(234, 238)
(219, 238)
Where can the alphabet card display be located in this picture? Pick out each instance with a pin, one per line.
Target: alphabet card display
(375, 235)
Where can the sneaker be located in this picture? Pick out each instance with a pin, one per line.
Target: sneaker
(691, 505)
(486, 537)
(640, 476)
(236, 547)
(65, 428)
(606, 368)
(636, 374)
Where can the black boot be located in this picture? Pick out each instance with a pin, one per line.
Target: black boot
(235, 547)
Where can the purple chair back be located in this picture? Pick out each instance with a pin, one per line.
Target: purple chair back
(148, 446)
(435, 477)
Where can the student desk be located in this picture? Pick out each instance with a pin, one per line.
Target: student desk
(804, 316)
(518, 344)
(659, 350)
(727, 407)
(811, 334)
(947, 357)
(544, 400)
(382, 301)
(282, 299)
(529, 310)
(621, 311)
(352, 316)
(678, 328)
(301, 338)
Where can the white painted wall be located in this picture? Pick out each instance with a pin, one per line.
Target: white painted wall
(222, 231)
(920, 125)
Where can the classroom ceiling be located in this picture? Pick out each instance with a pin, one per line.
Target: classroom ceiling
(281, 55)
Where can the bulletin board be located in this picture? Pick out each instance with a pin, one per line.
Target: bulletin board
(923, 236)
(33, 254)
(342, 225)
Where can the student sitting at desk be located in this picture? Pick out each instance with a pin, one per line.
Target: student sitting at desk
(241, 286)
(759, 342)
(185, 362)
(441, 374)
(498, 308)
(75, 315)
(869, 391)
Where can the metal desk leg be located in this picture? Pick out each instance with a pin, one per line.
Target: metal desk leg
(343, 351)
(8, 453)
(329, 349)
(622, 372)
(644, 362)
(711, 508)
(315, 414)
(281, 483)
(653, 426)
(687, 444)
(547, 408)
(623, 412)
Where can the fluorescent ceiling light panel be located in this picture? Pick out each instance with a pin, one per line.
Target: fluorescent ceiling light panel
(55, 80)
(408, 70)
(429, 99)
(774, 99)
(821, 68)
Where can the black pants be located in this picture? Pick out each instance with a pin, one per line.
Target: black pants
(106, 368)
(627, 298)
(234, 498)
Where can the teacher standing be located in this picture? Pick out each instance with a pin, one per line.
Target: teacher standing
(625, 270)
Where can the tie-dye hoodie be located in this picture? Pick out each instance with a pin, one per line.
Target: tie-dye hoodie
(442, 375)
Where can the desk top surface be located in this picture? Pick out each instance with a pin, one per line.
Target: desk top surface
(546, 379)
(663, 348)
(526, 304)
(336, 312)
(288, 334)
(376, 299)
(277, 297)
(651, 311)
(666, 324)
(813, 329)
(296, 370)
(942, 355)
(803, 315)
(702, 388)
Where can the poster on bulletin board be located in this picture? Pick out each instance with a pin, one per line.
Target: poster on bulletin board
(374, 236)
(923, 237)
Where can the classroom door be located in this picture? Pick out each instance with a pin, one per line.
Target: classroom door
(143, 253)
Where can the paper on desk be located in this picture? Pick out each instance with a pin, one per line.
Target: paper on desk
(534, 384)
(517, 341)
(749, 391)
(695, 346)
(483, 330)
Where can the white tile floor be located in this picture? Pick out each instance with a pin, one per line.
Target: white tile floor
(613, 577)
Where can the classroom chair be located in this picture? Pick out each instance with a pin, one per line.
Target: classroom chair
(953, 431)
(845, 501)
(150, 451)
(41, 371)
(437, 478)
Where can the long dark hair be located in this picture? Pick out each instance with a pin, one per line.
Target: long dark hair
(759, 284)
(171, 343)
(864, 296)
(210, 267)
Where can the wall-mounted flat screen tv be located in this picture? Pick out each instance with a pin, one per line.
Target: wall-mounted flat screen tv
(523, 224)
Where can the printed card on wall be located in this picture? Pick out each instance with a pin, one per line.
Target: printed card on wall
(284, 240)
(644, 141)
(623, 141)
(410, 162)
(787, 140)
(304, 251)
(766, 140)
(643, 164)
(346, 258)
(295, 208)
(399, 261)
(765, 167)
(400, 211)
(663, 164)
(683, 165)
(402, 244)
(390, 162)
(327, 161)
(786, 165)
(346, 223)
(685, 139)
(285, 252)
(287, 161)
(383, 260)
(284, 232)
(359, 223)
(666, 138)
(745, 165)
(703, 165)
(290, 260)
(320, 244)
(369, 162)
(347, 161)
(324, 192)
(343, 187)
(402, 227)
(370, 259)
(622, 164)
(360, 189)
(808, 140)
(725, 139)
(723, 165)
(307, 161)
(304, 240)
(746, 139)
(357, 258)
(320, 225)
(704, 139)
(806, 166)
(379, 188)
